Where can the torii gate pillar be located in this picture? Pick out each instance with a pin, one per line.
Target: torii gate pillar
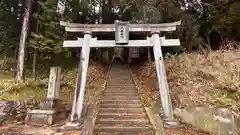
(78, 99)
(162, 79)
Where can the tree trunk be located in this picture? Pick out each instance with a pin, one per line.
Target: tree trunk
(35, 50)
(23, 39)
(34, 64)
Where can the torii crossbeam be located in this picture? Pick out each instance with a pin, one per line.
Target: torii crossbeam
(75, 27)
(121, 40)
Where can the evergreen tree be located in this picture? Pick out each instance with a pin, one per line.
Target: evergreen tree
(49, 37)
(10, 25)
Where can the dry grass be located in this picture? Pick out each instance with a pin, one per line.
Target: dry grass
(36, 89)
(184, 131)
(197, 80)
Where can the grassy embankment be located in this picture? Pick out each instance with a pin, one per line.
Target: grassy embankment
(36, 89)
(196, 80)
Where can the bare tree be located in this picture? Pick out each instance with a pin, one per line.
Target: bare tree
(22, 44)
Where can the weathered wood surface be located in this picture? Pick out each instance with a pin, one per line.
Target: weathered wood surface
(75, 27)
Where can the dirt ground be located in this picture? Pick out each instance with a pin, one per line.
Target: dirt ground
(185, 131)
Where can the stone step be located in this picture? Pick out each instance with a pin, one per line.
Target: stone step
(121, 94)
(122, 90)
(123, 87)
(121, 81)
(115, 88)
(123, 121)
(123, 133)
(122, 115)
(121, 128)
(120, 87)
(119, 71)
(120, 97)
(121, 101)
(120, 75)
(121, 110)
(118, 78)
(120, 105)
(117, 92)
(127, 89)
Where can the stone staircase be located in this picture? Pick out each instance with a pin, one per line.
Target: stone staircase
(121, 111)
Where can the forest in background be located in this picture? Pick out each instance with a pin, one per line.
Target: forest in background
(217, 28)
(219, 23)
(31, 36)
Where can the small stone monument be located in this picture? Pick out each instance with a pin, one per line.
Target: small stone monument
(46, 112)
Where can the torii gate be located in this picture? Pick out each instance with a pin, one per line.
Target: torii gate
(122, 30)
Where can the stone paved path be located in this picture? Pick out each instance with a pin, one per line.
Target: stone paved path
(120, 110)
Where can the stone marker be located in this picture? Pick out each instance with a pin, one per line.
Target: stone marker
(46, 113)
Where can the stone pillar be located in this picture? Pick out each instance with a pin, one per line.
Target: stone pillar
(80, 82)
(85, 62)
(162, 81)
(54, 83)
(46, 113)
